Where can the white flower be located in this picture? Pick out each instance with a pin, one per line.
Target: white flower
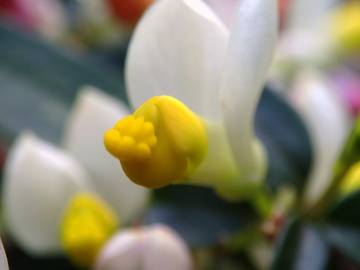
(47, 17)
(40, 179)
(153, 248)
(93, 112)
(182, 49)
(224, 9)
(328, 123)
(97, 25)
(315, 32)
(308, 44)
(3, 260)
(305, 14)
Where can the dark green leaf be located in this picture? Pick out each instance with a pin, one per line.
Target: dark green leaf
(198, 215)
(286, 140)
(347, 210)
(346, 239)
(300, 247)
(351, 152)
(19, 260)
(286, 246)
(39, 82)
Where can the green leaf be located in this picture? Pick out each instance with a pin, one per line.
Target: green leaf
(286, 246)
(346, 210)
(39, 83)
(300, 247)
(286, 140)
(198, 214)
(19, 260)
(351, 152)
(345, 238)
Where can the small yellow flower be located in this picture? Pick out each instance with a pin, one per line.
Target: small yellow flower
(87, 224)
(162, 142)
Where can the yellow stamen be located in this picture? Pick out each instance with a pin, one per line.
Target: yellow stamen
(88, 222)
(162, 142)
(131, 139)
(351, 181)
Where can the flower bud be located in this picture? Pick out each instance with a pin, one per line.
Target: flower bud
(154, 248)
(161, 143)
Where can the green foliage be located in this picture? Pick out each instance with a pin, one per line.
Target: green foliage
(199, 215)
(39, 83)
(346, 210)
(286, 139)
(300, 247)
(346, 239)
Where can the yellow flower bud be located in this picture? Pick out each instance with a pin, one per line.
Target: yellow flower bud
(162, 142)
(346, 26)
(88, 223)
(351, 181)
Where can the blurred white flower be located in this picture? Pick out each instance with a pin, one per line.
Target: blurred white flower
(92, 113)
(305, 14)
(182, 49)
(309, 44)
(224, 9)
(47, 17)
(306, 39)
(38, 182)
(328, 123)
(317, 33)
(3, 260)
(40, 179)
(153, 248)
(97, 25)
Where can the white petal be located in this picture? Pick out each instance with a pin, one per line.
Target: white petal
(306, 14)
(93, 113)
(304, 47)
(328, 125)
(38, 182)
(3, 260)
(249, 55)
(178, 49)
(153, 248)
(165, 250)
(224, 9)
(122, 252)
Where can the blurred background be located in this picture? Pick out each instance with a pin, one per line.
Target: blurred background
(49, 49)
